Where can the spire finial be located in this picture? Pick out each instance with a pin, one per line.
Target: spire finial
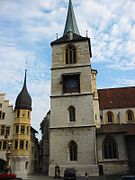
(25, 65)
(57, 35)
(86, 33)
(71, 25)
(24, 84)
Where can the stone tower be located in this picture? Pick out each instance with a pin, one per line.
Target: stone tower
(72, 118)
(21, 132)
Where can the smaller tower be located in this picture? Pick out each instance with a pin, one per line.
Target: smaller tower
(21, 131)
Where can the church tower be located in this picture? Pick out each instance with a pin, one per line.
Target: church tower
(72, 118)
(21, 132)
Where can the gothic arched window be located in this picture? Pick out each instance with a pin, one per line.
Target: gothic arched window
(130, 115)
(73, 151)
(71, 110)
(70, 54)
(110, 117)
(110, 148)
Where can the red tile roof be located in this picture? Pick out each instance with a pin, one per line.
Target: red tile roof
(116, 97)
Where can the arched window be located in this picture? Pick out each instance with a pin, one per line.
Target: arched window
(26, 165)
(70, 54)
(110, 117)
(71, 110)
(73, 151)
(130, 115)
(110, 148)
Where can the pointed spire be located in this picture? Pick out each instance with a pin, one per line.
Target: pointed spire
(23, 100)
(71, 25)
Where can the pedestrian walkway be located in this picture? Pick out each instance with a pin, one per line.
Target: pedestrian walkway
(43, 177)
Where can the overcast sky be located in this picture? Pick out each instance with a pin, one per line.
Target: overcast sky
(28, 26)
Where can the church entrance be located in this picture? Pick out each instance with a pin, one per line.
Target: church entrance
(2, 164)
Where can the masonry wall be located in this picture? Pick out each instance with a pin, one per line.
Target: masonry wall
(86, 146)
(112, 166)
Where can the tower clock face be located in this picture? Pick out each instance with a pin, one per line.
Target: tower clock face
(71, 83)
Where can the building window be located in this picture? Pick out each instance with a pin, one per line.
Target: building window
(17, 129)
(0, 105)
(16, 144)
(7, 131)
(0, 114)
(110, 117)
(73, 151)
(2, 130)
(71, 83)
(4, 145)
(27, 129)
(21, 144)
(22, 129)
(28, 114)
(130, 115)
(3, 115)
(27, 145)
(18, 113)
(26, 165)
(70, 54)
(23, 113)
(110, 148)
(0, 145)
(71, 110)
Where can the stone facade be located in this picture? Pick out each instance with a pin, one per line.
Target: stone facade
(16, 136)
(82, 130)
(90, 130)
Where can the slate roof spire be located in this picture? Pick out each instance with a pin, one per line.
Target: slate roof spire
(71, 25)
(23, 100)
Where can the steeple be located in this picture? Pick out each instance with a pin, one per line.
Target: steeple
(23, 100)
(71, 25)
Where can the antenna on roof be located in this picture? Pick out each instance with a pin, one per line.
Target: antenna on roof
(86, 33)
(57, 35)
(26, 65)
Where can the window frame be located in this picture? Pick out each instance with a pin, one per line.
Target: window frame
(110, 148)
(26, 145)
(2, 131)
(110, 115)
(4, 147)
(16, 144)
(18, 113)
(67, 82)
(73, 151)
(21, 144)
(70, 54)
(17, 129)
(72, 114)
(131, 113)
(22, 130)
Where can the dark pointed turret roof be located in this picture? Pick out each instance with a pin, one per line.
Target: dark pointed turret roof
(23, 100)
(71, 25)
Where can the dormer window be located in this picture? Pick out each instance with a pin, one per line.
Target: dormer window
(70, 54)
